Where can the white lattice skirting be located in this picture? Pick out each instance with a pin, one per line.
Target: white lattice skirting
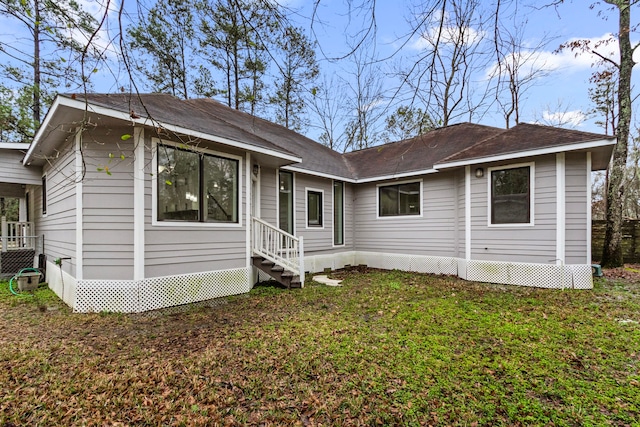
(131, 296)
(508, 273)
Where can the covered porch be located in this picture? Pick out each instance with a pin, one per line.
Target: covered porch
(20, 246)
(19, 243)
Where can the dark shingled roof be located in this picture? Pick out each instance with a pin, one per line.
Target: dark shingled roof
(457, 143)
(419, 153)
(523, 137)
(214, 118)
(173, 111)
(315, 156)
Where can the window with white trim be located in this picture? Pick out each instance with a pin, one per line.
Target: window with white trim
(314, 208)
(44, 195)
(511, 195)
(399, 199)
(338, 213)
(196, 187)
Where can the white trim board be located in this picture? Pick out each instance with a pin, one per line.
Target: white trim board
(561, 216)
(588, 210)
(530, 153)
(79, 164)
(138, 204)
(467, 212)
(248, 201)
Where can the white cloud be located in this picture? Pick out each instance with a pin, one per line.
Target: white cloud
(572, 118)
(102, 42)
(606, 46)
(568, 60)
(450, 35)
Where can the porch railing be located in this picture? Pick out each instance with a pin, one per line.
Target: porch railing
(279, 247)
(17, 235)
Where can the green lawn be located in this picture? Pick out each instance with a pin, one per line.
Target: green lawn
(386, 348)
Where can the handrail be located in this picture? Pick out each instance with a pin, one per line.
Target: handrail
(278, 246)
(16, 234)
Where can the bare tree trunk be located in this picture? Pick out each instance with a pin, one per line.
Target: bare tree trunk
(36, 63)
(612, 251)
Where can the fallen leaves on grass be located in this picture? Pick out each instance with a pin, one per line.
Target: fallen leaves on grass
(387, 348)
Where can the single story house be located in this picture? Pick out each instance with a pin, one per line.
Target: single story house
(149, 201)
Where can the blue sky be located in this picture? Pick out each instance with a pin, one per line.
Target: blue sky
(564, 89)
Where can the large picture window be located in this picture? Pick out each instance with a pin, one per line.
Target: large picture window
(511, 195)
(196, 187)
(399, 199)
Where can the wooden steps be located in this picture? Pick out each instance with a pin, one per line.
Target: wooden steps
(285, 277)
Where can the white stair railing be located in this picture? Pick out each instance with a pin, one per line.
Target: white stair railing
(279, 247)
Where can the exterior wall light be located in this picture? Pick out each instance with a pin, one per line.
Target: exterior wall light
(479, 173)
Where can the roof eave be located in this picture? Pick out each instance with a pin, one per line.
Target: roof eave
(529, 153)
(144, 121)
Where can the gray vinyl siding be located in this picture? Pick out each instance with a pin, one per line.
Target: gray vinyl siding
(12, 170)
(181, 249)
(59, 224)
(107, 202)
(576, 208)
(434, 233)
(268, 195)
(315, 238)
(516, 243)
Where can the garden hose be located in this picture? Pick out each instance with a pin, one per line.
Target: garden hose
(17, 276)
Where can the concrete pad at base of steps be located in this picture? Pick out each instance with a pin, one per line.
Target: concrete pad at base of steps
(326, 281)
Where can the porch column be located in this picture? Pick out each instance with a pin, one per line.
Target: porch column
(4, 233)
(22, 209)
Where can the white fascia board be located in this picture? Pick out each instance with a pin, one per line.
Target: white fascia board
(14, 146)
(530, 153)
(319, 174)
(108, 112)
(397, 175)
(44, 125)
(360, 180)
